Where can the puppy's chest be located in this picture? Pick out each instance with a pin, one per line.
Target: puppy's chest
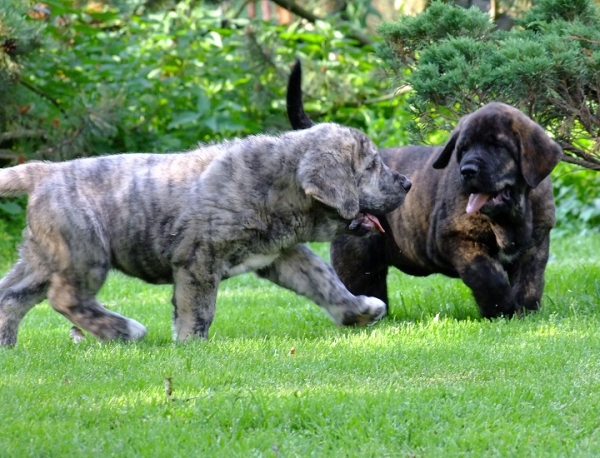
(251, 263)
(510, 243)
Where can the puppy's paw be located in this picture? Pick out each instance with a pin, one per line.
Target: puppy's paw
(136, 330)
(370, 310)
(76, 334)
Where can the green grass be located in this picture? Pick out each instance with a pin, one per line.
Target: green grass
(432, 379)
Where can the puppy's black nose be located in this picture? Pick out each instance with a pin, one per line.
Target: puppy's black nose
(469, 170)
(406, 184)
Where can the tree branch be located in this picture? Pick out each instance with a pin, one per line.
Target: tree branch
(239, 11)
(574, 155)
(291, 6)
(360, 103)
(43, 152)
(8, 154)
(8, 136)
(52, 100)
(266, 57)
(575, 160)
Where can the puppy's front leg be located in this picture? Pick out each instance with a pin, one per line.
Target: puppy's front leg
(527, 276)
(303, 272)
(487, 279)
(194, 299)
(361, 264)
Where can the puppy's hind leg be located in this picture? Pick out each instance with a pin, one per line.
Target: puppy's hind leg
(20, 290)
(79, 305)
(302, 271)
(78, 257)
(72, 291)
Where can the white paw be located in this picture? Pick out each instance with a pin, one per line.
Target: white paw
(136, 330)
(76, 334)
(366, 310)
(375, 308)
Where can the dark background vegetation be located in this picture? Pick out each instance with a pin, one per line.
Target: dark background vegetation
(82, 78)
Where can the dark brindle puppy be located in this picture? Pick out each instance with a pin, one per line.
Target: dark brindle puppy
(481, 208)
(194, 219)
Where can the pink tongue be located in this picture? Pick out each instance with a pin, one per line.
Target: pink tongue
(476, 201)
(375, 222)
(366, 221)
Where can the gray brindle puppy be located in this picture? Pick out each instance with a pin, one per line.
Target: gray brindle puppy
(193, 219)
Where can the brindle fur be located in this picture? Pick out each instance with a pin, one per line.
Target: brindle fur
(193, 219)
(499, 252)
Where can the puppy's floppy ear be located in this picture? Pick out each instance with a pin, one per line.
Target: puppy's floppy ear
(444, 157)
(539, 154)
(328, 177)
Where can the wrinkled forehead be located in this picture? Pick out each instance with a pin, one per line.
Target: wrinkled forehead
(364, 145)
(491, 129)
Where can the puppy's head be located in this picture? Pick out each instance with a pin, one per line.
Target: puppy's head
(342, 169)
(348, 174)
(500, 152)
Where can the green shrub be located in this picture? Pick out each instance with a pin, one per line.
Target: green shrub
(578, 205)
(118, 80)
(12, 221)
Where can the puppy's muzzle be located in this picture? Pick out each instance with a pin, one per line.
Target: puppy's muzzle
(469, 171)
(473, 176)
(399, 182)
(404, 182)
(400, 186)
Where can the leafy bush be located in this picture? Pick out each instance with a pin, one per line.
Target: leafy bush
(578, 204)
(164, 80)
(12, 221)
(18, 38)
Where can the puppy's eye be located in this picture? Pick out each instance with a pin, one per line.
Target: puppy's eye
(372, 166)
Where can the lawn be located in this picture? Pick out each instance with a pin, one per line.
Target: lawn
(277, 378)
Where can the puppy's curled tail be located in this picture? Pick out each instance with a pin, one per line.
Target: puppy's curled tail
(23, 178)
(295, 107)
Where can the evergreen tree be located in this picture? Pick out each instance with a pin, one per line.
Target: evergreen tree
(548, 65)
(19, 38)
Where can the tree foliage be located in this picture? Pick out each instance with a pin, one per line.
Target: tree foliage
(167, 77)
(18, 38)
(548, 65)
